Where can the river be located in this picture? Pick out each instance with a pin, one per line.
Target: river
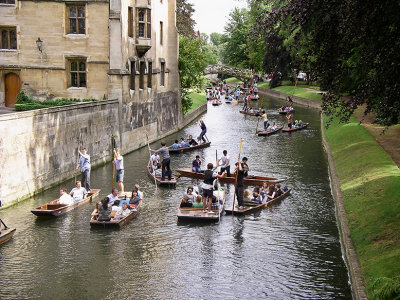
(291, 250)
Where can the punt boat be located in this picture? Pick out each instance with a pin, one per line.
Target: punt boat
(113, 223)
(6, 234)
(287, 129)
(157, 178)
(269, 132)
(54, 209)
(191, 148)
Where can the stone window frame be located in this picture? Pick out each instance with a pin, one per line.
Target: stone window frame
(143, 23)
(162, 72)
(8, 31)
(161, 32)
(68, 18)
(130, 22)
(8, 3)
(132, 77)
(149, 73)
(79, 73)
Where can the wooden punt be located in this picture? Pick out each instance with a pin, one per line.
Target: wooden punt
(158, 180)
(284, 112)
(253, 98)
(53, 209)
(6, 234)
(228, 102)
(269, 132)
(217, 103)
(254, 207)
(250, 180)
(116, 223)
(287, 129)
(191, 148)
(190, 213)
(255, 114)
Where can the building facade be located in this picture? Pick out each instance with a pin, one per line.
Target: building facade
(101, 49)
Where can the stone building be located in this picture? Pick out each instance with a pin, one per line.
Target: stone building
(102, 49)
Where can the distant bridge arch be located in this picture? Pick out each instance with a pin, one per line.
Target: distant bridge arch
(242, 74)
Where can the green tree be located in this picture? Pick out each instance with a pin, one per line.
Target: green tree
(216, 38)
(184, 21)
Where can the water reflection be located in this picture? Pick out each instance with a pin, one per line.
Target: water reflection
(289, 250)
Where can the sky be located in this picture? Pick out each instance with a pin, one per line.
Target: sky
(211, 15)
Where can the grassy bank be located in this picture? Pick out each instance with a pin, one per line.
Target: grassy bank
(369, 181)
(197, 99)
(299, 92)
(233, 80)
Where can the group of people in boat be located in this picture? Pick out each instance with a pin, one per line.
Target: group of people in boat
(75, 195)
(113, 207)
(263, 194)
(189, 142)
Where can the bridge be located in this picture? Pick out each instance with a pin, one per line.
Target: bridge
(242, 74)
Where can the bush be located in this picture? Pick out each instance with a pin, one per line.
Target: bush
(25, 103)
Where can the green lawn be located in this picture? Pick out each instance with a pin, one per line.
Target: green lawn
(233, 80)
(198, 99)
(299, 92)
(370, 182)
(301, 84)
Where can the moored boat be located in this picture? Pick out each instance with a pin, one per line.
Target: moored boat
(116, 223)
(287, 129)
(190, 213)
(6, 234)
(249, 180)
(157, 178)
(54, 209)
(191, 148)
(269, 132)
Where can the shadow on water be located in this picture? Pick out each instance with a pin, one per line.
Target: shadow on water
(289, 250)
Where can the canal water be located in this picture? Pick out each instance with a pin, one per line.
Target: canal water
(291, 250)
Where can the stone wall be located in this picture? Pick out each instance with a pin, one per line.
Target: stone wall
(39, 148)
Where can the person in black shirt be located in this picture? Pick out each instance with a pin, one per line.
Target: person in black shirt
(240, 185)
(245, 166)
(191, 141)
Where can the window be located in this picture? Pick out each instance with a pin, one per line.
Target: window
(150, 75)
(142, 70)
(77, 69)
(8, 38)
(130, 21)
(144, 23)
(161, 33)
(162, 74)
(76, 20)
(133, 73)
(7, 1)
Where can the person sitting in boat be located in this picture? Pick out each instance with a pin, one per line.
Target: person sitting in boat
(113, 196)
(95, 212)
(115, 206)
(196, 188)
(124, 212)
(245, 167)
(247, 195)
(155, 157)
(175, 145)
(185, 202)
(104, 210)
(139, 193)
(78, 192)
(271, 193)
(230, 98)
(278, 190)
(256, 195)
(264, 190)
(301, 123)
(196, 164)
(65, 198)
(191, 141)
(199, 202)
(184, 144)
(191, 195)
(135, 199)
(273, 126)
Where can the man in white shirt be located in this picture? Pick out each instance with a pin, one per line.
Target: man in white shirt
(119, 166)
(124, 212)
(78, 192)
(155, 157)
(65, 198)
(225, 163)
(113, 196)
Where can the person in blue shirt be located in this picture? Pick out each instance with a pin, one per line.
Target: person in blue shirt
(84, 162)
(175, 145)
(196, 164)
(184, 144)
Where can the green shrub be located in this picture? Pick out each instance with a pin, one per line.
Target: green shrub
(25, 103)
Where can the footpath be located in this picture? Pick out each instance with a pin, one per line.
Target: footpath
(365, 175)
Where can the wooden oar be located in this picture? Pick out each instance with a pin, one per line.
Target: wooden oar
(113, 173)
(148, 146)
(237, 172)
(5, 226)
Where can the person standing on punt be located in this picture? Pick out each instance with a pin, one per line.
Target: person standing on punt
(226, 164)
(289, 119)
(209, 176)
(203, 131)
(119, 166)
(264, 116)
(166, 169)
(240, 185)
(84, 162)
(245, 167)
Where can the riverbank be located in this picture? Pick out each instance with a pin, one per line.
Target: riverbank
(365, 182)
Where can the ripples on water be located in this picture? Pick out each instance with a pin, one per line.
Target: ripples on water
(288, 251)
